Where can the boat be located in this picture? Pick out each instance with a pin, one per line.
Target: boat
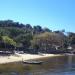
(32, 62)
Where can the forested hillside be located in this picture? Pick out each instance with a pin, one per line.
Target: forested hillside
(18, 36)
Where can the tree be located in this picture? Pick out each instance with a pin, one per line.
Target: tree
(8, 40)
(37, 29)
(47, 30)
(47, 41)
(24, 40)
(71, 38)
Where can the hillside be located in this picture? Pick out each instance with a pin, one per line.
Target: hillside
(32, 39)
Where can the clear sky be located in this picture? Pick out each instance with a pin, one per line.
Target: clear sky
(54, 14)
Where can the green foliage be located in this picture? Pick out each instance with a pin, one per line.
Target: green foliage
(36, 37)
(71, 38)
(8, 40)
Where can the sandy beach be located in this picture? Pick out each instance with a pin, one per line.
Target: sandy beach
(20, 57)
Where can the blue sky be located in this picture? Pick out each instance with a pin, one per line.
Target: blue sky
(54, 14)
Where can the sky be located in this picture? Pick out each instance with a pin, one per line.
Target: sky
(53, 14)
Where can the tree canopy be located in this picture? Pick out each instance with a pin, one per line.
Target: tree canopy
(26, 37)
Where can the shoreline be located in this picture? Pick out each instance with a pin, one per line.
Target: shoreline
(23, 57)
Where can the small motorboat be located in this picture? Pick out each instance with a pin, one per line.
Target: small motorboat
(32, 62)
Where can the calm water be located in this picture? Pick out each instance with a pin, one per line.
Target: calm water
(63, 65)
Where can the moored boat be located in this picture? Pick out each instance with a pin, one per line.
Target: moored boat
(32, 62)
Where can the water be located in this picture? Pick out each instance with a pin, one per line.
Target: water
(64, 65)
(60, 65)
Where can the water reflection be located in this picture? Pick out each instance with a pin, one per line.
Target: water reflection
(58, 66)
(61, 65)
(70, 62)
